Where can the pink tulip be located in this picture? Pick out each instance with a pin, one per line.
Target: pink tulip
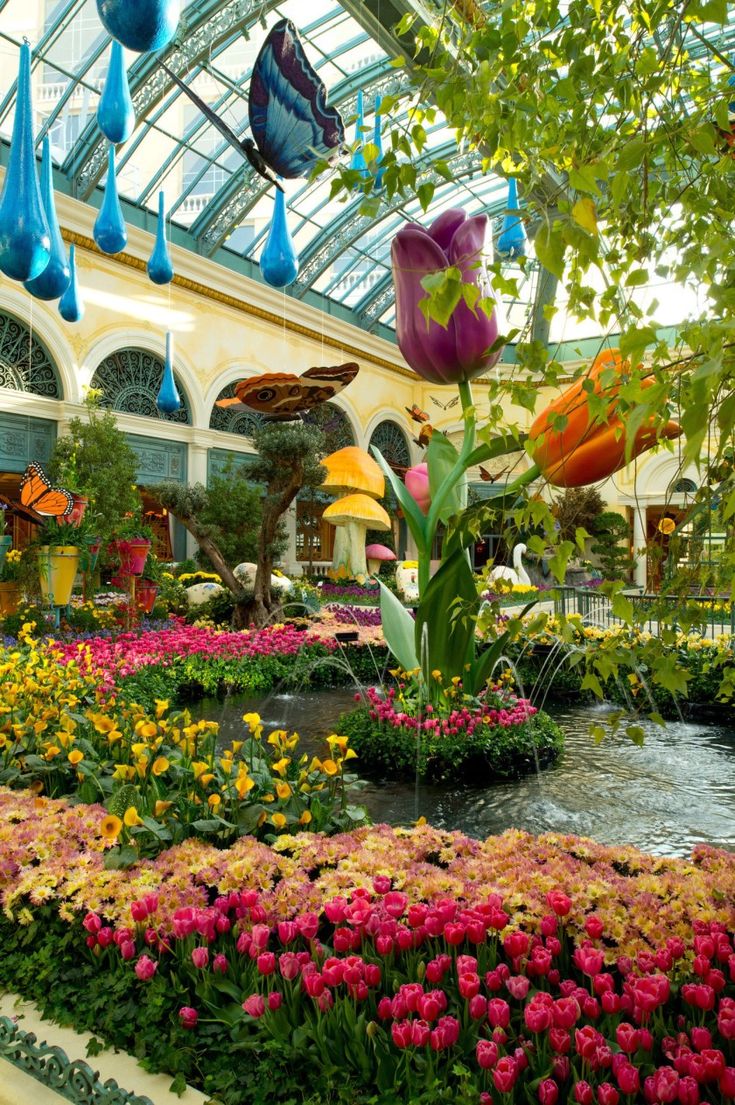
(188, 1017)
(417, 485)
(254, 1006)
(145, 968)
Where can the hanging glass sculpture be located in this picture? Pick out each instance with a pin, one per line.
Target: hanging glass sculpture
(25, 238)
(358, 163)
(168, 400)
(278, 261)
(115, 111)
(109, 228)
(71, 307)
(54, 279)
(378, 143)
(142, 25)
(512, 240)
(160, 269)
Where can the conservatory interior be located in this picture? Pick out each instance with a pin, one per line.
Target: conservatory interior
(367, 483)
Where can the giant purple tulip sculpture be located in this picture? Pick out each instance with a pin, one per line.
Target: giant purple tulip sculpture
(467, 345)
(452, 255)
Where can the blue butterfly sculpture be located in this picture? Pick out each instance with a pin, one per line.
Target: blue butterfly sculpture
(293, 128)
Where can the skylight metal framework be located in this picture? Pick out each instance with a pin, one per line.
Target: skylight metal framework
(218, 205)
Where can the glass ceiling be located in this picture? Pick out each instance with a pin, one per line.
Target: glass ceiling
(211, 192)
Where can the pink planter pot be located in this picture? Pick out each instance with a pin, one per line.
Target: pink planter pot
(74, 518)
(145, 595)
(133, 555)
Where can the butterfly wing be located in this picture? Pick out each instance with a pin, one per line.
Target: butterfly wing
(334, 377)
(37, 494)
(415, 412)
(290, 120)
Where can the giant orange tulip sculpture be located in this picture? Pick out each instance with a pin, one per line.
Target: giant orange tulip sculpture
(589, 449)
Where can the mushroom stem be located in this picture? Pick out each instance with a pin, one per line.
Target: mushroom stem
(349, 549)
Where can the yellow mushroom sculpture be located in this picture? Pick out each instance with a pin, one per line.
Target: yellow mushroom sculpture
(353, 475)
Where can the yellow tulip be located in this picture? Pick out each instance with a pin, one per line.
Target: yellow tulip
(161, 807)
(162, 705)
(243, 784)
(283, 790)
(199, 767)
(146, 729)
(51, 751)
(305, 818)
(110, 826)
(214, 800)
(329, 767)
(278, 820)
(75, 757)
(206, 778)
(237, 745)
(277, 737)
(160, 765)
(281, 766)
(131, 817)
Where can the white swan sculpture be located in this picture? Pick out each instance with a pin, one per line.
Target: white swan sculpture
(516, 574)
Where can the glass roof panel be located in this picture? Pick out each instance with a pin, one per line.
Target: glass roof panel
(209, 188)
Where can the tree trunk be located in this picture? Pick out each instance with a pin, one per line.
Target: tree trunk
(241, 613)
(275, 506)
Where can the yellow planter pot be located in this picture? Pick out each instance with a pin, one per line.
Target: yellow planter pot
(9, 599)
(57, 566)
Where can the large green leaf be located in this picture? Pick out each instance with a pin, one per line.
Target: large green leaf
(445, 620)
(398, 629)
(441, 458)
(415, 520)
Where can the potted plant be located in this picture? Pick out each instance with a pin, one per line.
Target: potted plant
(10, 567)
(6, 539)
(58, 559)
(133, 540)
(147, 589)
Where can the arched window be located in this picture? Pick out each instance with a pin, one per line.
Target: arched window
(130, 380)
(390, 439)
(334, 424)
(25, 363)
(229, 420)
(685, 487)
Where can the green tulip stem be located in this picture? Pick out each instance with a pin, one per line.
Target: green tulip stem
(457, 472)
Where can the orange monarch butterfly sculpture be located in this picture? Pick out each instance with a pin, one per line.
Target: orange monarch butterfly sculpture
(284, 397)
(36, 493)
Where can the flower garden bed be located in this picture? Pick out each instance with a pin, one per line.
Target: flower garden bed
(501, 737)
(382, 965)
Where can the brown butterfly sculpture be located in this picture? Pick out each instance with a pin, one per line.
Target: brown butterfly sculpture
(417, 414)
(488, 477)
(284, 397)
(424, 436)
(445, 406)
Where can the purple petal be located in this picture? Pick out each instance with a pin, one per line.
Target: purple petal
(443, 229)
(428, 348)
(475, 332)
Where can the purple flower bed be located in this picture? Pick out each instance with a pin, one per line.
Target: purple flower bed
(360, 615)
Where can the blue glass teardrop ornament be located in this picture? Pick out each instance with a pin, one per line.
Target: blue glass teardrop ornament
(168, 400)
(142, 26)
(279, 264)
(25, 238)
(358, 163)
(378, 143)
(71, 307)
(115, 111)
(512, 240)
(160, 269)
(54, 279)
(109, 228)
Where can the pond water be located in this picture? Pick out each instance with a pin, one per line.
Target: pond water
(674, 792)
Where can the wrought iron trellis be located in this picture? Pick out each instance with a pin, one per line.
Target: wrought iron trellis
(73, 1079)
(390, 439)
(231, 421)
(130, 380)
(25, 363)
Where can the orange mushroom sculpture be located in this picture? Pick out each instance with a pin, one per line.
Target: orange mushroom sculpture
(590, 449)
(353, 475)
